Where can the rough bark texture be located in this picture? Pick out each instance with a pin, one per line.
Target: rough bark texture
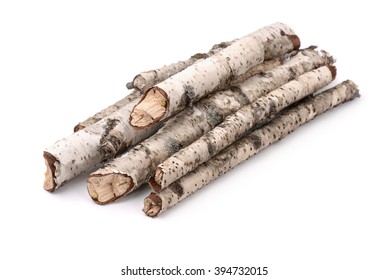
(238, 124)
(134, 95)
(186, 87)
(90, 146)
(144, 80)
(248, 146)
(128, 172)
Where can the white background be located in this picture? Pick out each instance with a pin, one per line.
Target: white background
(314, 206)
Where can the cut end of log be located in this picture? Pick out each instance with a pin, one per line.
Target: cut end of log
(139, 82)
(130, 85)
(332, 68)
(150, 109)
(78, 127)
(104, 189)
(152, 205)
(295, 41)
(155, 181)
(49, 183)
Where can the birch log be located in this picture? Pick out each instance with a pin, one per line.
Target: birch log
(248, 146)
(147, 79)
(144, 80)
(133, 96)
(90, 146)
(238, 124)
(186, 87)
(126, 173)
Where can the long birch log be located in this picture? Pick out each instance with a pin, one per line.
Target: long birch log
(92, 145)
(248, 146)
(238, 124)
(144, 80)
(147, 79)
(186, 87)
(126, 173)
(133, 96)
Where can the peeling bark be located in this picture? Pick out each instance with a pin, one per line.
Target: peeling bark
(90, 146)
(134, 95)
(188, 86)
(248, 146)
(136, 165)
(238, 124)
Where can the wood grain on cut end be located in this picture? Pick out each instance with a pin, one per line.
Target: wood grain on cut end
(152, 205)
(150, 109)
(108, 188)
(49, 183)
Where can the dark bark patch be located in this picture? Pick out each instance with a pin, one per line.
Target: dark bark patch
(177, 189)
(272, 108)
(146, 150)
(255, 140)
(221, 45)
(109, 144)
(200, 56)
(172, 145)
(210, 147)
(242, 98)
(214, 117)
(189, 97)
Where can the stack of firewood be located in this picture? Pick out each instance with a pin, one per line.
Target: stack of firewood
(186, 124)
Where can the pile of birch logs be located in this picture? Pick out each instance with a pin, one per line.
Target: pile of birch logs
(185, 124)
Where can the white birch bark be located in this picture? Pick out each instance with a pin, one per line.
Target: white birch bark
(248, 146)
(134, 95)
(126, 173)
(90, 146)
(238, 124)
(144, 80)
(186, 87)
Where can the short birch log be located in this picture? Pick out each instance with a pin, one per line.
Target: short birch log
(186, 87)
(248, 146)
(126, 173)
(238, 124)
(90, 146)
